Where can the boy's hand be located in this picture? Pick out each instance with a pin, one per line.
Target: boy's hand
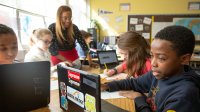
(130, 94)
(104, 87)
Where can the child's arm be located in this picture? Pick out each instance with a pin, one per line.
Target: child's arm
(141, 84)
(114, 71)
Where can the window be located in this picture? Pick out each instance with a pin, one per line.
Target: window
(80, 13)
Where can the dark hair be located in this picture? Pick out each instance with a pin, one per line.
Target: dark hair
(85, 34)
(6, 30)
(182, 38)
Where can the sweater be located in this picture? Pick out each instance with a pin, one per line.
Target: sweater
(180, 92)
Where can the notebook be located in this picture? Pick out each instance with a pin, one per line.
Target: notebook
(79, 91)
(108, 57)
(24, 86)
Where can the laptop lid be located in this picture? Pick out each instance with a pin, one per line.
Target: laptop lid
(79, 91)
(24, 86)
(108, 57)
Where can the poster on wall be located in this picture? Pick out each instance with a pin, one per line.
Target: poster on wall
(28, 23)
(191, 23)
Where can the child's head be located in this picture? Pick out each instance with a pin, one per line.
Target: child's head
(86, 36)
(42, 38)
(171, 48)
(8, 45)
(32, 39)
(135, 50)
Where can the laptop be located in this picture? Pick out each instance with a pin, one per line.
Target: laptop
(79, 91)
(24, 86)
(108, 57)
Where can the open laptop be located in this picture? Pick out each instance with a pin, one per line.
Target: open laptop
(24, 86)
(108, 57)
(79, 91)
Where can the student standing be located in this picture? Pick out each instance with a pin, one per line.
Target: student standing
(171, 85)
(8, 45)
(40, 41)
(135, 51)
(65, 33)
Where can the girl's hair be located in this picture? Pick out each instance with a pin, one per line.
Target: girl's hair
(38, 34)
(85, 34)
(32, 39)
(60, 26)
(138, 51)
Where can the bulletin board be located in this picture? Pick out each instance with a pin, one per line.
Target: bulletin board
(149, 25)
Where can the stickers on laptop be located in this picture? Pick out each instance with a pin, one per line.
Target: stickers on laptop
(74, 78)
(75, 96)
(90, 103)
(89, 83)
(63, 91)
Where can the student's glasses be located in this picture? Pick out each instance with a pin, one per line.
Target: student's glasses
(47, 42)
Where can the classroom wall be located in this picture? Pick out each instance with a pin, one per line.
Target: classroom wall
(114, 23)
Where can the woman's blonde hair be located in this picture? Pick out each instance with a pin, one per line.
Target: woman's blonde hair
(138, 51)
(38, 34)
(60, 26)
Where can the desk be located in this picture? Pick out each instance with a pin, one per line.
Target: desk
(54, 105)
(195, 62)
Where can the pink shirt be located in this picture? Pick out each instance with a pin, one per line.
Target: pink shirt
(145, 69)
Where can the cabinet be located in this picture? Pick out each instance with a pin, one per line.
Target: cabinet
(95, 35)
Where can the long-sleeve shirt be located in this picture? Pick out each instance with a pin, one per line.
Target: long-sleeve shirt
(180, 92)
(56, 46)
(36, 54)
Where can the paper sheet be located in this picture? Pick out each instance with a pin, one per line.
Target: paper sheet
(114, 77)
(54, 84)
(110, 95)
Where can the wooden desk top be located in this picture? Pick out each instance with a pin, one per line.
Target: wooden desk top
(195, 59)
(54, 105)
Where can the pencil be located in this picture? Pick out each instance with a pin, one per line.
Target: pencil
(105, 66)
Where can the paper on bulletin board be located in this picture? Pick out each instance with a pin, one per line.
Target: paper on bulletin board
(146, 35)
(147, 20)
(139, 27)
(133, 20)
(119, 19)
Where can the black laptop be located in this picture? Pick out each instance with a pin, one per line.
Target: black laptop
(108, 57)
(24, 86)
(79, 91)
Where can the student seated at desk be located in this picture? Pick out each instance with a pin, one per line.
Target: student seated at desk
(135, 50)
(87, 37)
(8, 45)
(40, 41)
(171, 85)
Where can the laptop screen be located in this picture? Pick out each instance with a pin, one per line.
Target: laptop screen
(24, 86)
(108, 57)
(79, 91)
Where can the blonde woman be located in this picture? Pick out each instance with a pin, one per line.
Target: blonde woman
(65, 33)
